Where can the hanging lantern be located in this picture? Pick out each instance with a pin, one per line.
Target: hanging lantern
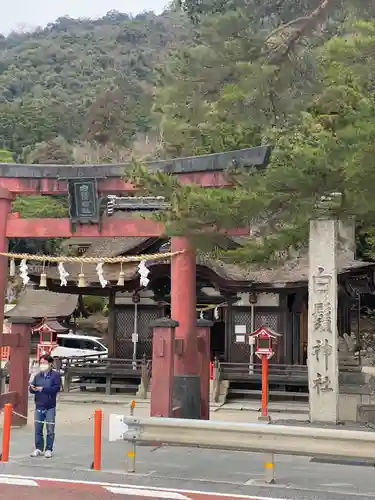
(81, 279)
(12, 268)
(43, 280)
(121, 277)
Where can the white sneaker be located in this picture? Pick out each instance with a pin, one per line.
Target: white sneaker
(48, 454)
(36, 453)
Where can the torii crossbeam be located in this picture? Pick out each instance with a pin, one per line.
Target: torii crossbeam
(204, 170)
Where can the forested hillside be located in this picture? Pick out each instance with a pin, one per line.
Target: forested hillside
(209, 76)
(83, 81)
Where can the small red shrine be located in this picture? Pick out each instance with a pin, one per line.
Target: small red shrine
(48, 331)
(5, 350)
(265, 338)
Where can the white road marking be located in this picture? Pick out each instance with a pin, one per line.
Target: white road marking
(135, 487)
(169, 495)
(16, 481)
(338, 485)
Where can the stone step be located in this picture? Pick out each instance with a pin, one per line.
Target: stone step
(366, 413)
(348, 363)
(352, 377)
(350, 369)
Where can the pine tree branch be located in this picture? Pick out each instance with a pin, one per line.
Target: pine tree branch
(305, 24)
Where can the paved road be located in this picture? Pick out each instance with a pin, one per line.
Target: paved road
(225, 473)
(29, 489)
(194, 469)
(22, 488)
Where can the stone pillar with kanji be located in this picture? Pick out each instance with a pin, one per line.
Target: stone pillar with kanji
(322, 322)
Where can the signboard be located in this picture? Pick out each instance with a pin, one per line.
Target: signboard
(83, 201)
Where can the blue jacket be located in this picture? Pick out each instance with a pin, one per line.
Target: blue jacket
(50, 381)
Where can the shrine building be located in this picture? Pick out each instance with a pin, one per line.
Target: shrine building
(237, 299)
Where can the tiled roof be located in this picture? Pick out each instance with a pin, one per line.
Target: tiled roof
(293, 271)
(112, 247)
(53, 325)
(43, 304)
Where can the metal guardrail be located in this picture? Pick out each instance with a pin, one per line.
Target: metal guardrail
(265, 438)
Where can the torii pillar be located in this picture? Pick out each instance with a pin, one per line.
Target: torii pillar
(184, 305)
(6, 199)
(187, 368)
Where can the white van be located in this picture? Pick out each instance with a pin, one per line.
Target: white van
(71, 345)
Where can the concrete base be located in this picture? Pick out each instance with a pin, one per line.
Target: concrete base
(366, 414)
(219, 396)
(222, 393)
(264, 420)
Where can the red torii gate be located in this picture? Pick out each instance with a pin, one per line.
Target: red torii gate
(205, 171)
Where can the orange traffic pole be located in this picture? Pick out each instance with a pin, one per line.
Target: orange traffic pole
(8, 410)
(132, 407)
(98, 424)
(264, 385)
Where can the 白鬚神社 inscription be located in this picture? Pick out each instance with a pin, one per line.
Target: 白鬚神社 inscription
(324, 349)
(322, 322)
(322, 328)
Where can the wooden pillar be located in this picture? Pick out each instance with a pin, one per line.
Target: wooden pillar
(204, 350)
(162, 367)
(112, 324)
(229, 328)
(284, 318)
(19, 367)
(6, 199)
(183, 305)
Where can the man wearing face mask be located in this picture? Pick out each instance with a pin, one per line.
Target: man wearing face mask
(45, 385)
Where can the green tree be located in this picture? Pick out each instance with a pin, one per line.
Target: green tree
(322, 132)
(40, 207)
(6, 156)
(56, 151)
(116, 115)
(50, 78)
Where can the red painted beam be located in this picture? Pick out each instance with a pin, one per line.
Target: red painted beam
(111, 228)
(60, 228)
(106, 186)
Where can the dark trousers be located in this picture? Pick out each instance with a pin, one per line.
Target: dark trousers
(45, 418)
